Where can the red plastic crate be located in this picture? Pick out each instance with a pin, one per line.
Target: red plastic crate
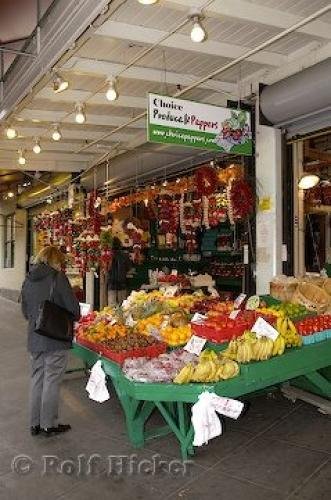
(217, 335)
(151, 351)
(89, 344)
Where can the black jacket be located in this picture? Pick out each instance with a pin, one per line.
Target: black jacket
(120, 266)
(36, 288)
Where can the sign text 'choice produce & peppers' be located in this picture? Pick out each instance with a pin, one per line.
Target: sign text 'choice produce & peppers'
(193, 124)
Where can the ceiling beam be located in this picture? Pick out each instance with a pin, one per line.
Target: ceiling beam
(45, 156)
(60, 116)
(141, 34)
(80, 132)
(51, 146)
(105, 68)
(73, 96)
(44, 166)
(248, 11)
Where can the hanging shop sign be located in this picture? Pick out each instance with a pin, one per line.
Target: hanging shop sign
(193, 124)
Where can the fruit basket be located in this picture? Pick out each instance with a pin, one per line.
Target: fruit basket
(151, 351)
(312, 297)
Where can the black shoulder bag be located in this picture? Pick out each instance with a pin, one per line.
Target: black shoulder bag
(54, 321)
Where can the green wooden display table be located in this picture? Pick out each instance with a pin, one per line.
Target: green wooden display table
(300, 366)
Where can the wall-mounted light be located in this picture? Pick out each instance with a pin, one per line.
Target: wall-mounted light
(308, 181)
(112, 92)
(147, 2)
(59, 84)
(80, 115)
(21, 158)
(36, 147)
(11, 132)
(198, 32)
(56, 134)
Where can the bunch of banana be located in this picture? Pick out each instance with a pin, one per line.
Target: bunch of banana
(279, 346)
(231, 351)
(208, 355)
(228, 369)
(185, 375)
(250, 348)
(288, 331)
(263, 349)
(245, 352)
(208, 371)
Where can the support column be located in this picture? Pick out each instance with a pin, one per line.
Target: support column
(298, 211)
(269, 229)
(90, 289)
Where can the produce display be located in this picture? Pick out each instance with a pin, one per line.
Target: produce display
(137, 335)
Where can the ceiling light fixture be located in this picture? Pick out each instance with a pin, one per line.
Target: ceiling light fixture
(10, 194)
(147, 2)
(80, 113)
(59, 84)
(112, 93)
(11, 132)
(198, 33)
(21, 158)
(308, 181)
(49, 200)
(36, 147)
(56, 135)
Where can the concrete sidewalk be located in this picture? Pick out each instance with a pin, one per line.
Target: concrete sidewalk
(278, 450)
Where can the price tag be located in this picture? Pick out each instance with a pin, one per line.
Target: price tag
(227, 407)
(284, 253)
(263, 329)
(198, 318)
(130, 322)
(246, 254)
(195, 345)
(234, 314)
(170, 291)
(239, 300)
(85, 309)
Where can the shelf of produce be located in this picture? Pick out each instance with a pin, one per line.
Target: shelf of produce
(309, 363)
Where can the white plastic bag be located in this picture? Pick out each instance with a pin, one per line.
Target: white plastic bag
(96, 385)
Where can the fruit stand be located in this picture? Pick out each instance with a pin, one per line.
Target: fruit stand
(140, 345)
(173, 401)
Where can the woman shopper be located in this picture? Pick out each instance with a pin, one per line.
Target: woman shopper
(48, 356)
(120, 266)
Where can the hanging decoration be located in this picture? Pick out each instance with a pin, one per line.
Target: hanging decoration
(168, 219)
(240, 200)
(206, 180)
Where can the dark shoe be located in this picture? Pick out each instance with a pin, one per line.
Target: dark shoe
(54, 431)
(35, 430)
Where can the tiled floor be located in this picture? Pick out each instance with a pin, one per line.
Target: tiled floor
(278, 450)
